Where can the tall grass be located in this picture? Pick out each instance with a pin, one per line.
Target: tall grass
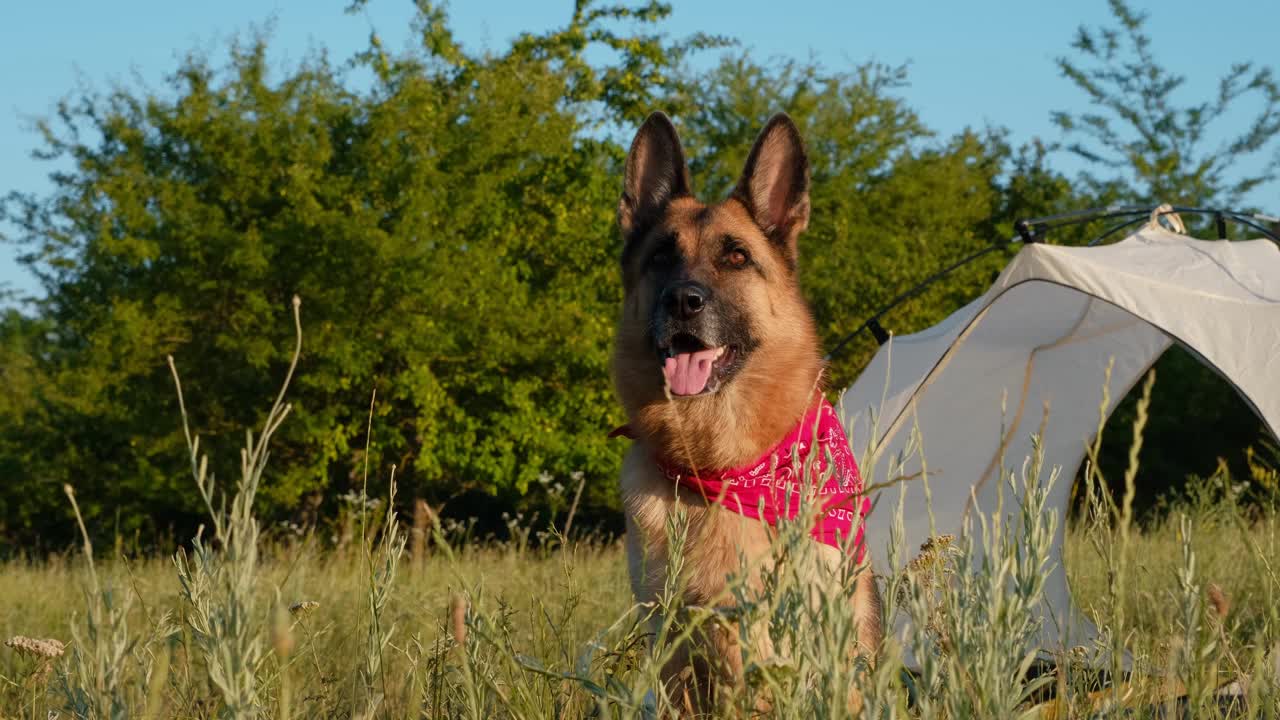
(244, 627)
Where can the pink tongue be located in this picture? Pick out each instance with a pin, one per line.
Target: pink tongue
(687, 373)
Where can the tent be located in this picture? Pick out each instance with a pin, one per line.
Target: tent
(977, 384)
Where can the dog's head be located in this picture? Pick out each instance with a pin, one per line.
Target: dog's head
(713, 317)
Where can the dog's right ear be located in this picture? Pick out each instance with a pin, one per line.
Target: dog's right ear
(655, 174)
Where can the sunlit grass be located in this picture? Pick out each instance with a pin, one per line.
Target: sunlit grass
(237, 625)
(533, 588)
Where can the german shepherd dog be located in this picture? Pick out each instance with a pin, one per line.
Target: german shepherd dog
(717, 358)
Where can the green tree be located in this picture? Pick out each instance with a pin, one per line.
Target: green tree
(1144, 146)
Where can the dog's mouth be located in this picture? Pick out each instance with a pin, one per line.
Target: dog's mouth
(691, 367)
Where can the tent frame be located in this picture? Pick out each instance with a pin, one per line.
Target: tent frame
(1033, 230)
(1156, 329)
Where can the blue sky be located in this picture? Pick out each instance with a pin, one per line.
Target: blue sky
(972, 63)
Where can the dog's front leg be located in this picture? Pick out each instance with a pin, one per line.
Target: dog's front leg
(687, 679)
(867, 620)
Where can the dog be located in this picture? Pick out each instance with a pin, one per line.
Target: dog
(716, 363)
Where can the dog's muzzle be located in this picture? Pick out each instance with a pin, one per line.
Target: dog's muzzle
(695, 349)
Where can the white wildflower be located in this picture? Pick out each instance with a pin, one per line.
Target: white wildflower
(36, 648)
(304, 608)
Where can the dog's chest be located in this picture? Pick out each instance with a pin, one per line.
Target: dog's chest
(716, 540)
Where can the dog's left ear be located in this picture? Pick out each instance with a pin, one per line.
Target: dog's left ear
(774, 185)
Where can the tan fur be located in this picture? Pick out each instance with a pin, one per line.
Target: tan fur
(738, 423)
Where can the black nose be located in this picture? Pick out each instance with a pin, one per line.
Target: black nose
(687, 299)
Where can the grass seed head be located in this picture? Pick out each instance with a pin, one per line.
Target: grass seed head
(1219, 600)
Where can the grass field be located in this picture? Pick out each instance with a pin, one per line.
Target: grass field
(238, 625)
(528, 612)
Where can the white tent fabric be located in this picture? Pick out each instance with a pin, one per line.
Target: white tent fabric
(1040, 337)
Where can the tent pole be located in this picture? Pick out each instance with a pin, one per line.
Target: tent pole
(1115, 229)
(873, 323)
(1249, 222)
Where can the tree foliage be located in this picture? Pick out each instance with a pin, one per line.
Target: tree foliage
(1142, 145)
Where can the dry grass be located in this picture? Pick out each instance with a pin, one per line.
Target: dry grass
(42, 600)
(552, 603)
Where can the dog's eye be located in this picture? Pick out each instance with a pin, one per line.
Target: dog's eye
(664, 256)
(737, 257)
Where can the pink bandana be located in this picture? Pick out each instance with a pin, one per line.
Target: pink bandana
(773, 485)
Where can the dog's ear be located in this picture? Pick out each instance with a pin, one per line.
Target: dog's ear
(774, 185)
(655, 174)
